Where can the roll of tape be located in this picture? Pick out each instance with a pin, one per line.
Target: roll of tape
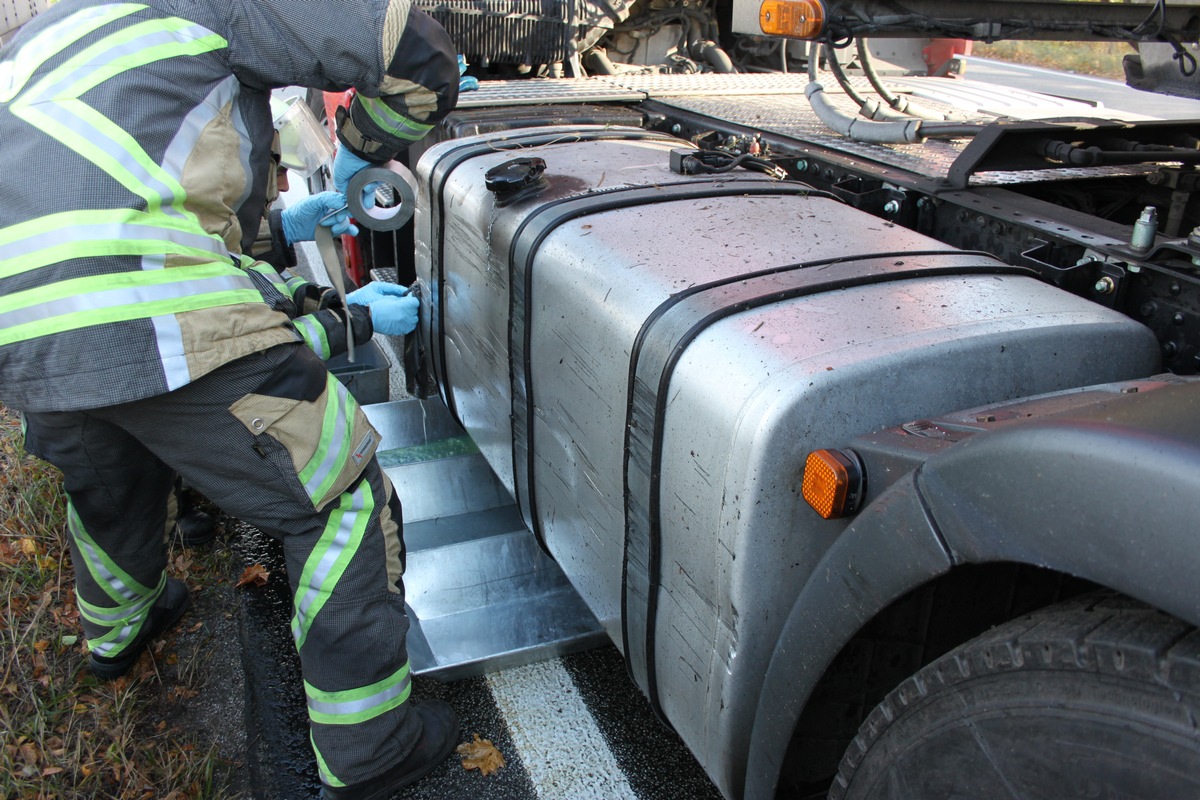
(383, 218)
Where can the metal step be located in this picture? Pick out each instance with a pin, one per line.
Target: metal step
(481, 594)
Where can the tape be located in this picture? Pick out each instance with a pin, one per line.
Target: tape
(392, 174)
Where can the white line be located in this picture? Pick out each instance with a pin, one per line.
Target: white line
(561, 747)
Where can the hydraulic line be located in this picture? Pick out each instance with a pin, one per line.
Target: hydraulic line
(907, 131)
(868, 107)
(904, 105)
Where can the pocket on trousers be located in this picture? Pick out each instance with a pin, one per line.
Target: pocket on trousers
(329, 439)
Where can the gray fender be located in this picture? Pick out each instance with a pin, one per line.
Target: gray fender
(888, 550)
(1110, 494)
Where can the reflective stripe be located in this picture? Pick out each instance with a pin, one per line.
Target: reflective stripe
(81, 302)
(324, 567)
(115, 582)
(16, 72)
(52, 105)
(171, 352)
(126, 622)
(327, 777)
(334, 447)
(391, 121)
(352, 706)
(313, 334)
(87, 234)
(196, 122)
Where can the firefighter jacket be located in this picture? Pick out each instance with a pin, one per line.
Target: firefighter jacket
(136, 145)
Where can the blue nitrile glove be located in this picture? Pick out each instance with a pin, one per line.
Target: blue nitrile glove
(300, 221)
(345, 166)
(465, 82)
(394, 316)
(375, 290)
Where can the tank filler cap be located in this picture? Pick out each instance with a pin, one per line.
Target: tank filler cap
(514, 175)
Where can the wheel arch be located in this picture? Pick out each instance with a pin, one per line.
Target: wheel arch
(979, 509)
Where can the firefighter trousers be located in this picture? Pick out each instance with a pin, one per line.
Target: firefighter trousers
(277, 442)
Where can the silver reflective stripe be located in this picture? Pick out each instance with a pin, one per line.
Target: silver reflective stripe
(337, 442)
(316, 585)
(365, 704)
(120, 614)
(314, 334)
(16, 72)
(130, 231)
(171, 352)
(104, 648)
(115, 298)
(102, 574)
(194, 125)
(112, 149)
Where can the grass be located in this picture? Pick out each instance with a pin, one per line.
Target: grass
(64, 734)
(1102, 59)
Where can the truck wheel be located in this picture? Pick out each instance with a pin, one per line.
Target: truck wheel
(1095, 697)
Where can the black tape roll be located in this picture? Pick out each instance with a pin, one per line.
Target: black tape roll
(391, 174)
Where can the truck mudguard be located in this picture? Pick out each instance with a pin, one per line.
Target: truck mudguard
(1039, 493)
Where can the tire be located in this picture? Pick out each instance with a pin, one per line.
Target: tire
(1097, 697)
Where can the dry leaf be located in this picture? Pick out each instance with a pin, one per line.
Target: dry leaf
(30, 548)
(254, 575)
(480, 754)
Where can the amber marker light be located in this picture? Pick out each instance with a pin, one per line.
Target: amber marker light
(833, 482)
(796, 19)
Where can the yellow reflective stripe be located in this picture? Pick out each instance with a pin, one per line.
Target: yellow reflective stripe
(16, 72)
(96, 300)
(392, 121)
(53, 106)
(84, 234)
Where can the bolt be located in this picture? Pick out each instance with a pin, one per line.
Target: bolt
(1105, 285)
(1177, 318)
(676, 129)
(801, 165)
(891, 207)
(1170, 349)
(1147, 309)
(1175, 289)
(1144, 229)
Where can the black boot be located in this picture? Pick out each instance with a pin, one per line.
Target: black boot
(438, 737)
(165, 613)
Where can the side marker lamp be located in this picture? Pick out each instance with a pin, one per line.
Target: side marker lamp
(796, 19)
(834, 482)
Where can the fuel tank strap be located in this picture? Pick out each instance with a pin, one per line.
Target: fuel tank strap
(528, 238)
(660, 343)
(447, 162)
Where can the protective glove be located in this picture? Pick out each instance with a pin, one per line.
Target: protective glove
(375, 290)
(345, 166)
(394, 316)
(465, 82)
(300, 221)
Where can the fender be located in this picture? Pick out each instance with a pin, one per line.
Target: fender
(891, 548)
(1109, 493)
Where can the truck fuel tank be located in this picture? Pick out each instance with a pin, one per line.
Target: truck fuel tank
(646, 358)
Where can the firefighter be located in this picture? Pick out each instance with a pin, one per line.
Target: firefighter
(142, 341)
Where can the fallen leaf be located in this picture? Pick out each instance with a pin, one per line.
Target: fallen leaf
(30, 548)
(48, 771)
(254, 575)
(480, 754)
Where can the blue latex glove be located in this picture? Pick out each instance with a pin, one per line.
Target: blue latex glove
(345, 166)
(375, 290)
(465, 82)
(394, 316)
(300, 221)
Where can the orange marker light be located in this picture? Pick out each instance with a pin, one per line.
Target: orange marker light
(796, 19)
(833, 482)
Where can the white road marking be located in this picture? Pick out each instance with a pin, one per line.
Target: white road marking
(561, 747)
